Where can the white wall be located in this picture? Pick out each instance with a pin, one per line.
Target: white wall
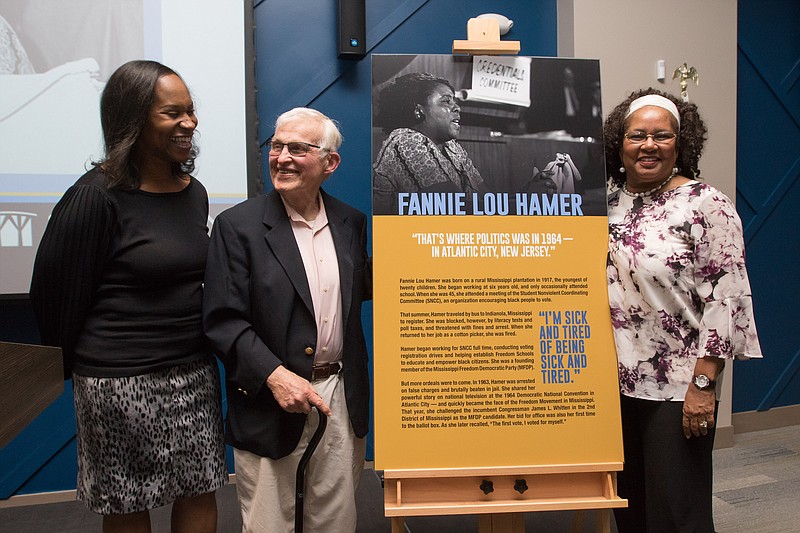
(629, 36)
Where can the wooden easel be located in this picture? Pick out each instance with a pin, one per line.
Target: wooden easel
(483, 38)
(501, 495)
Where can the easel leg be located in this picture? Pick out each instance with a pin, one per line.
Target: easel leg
(398, 524)
(501, 523)
(603, 521)
(577, 521)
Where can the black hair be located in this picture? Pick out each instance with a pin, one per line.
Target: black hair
(124, 109)
(691, 137)
(399, 99)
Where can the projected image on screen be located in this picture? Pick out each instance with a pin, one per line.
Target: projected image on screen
(61, 65)
(54, 64)
(55, 58)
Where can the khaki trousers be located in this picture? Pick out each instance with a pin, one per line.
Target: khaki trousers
(266, 487)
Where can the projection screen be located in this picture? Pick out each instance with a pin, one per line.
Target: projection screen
(55, 58)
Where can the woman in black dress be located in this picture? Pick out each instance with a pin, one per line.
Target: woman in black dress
(117, 284)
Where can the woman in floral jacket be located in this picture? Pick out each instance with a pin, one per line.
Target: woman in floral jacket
(680, 306)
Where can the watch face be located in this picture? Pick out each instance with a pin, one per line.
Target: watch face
(701, 381)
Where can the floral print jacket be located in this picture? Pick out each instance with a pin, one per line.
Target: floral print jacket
(677, 286)
(409, 162)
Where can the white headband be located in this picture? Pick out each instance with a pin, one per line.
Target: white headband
(656, 100)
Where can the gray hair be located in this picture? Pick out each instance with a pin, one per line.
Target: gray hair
(331, 138)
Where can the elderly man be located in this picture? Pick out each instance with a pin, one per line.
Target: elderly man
(285, 279)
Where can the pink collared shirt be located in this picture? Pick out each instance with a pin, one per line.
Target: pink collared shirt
(322, 270)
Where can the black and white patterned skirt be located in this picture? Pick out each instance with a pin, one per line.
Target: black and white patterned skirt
(145, 441)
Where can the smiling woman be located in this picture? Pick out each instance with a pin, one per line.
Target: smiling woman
(421, 154)
(680, 306)
(117, 284)
(144, 105)
(166, 139)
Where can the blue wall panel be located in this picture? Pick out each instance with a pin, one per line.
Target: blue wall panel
(42, 450)
(768, 191)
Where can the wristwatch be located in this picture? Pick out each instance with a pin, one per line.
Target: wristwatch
(702, 382)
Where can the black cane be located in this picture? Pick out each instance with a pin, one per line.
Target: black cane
(300, 481)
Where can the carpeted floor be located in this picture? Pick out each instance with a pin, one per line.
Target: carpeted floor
(756, 490)
(757, 483)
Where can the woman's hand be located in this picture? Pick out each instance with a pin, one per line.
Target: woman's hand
(698, 411)
(699, 405)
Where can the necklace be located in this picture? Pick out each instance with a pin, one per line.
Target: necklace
(648, 192)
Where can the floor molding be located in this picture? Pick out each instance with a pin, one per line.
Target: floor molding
(748, 421)
(61, 496)
(777, 417)
(723, 437)
(40, 498)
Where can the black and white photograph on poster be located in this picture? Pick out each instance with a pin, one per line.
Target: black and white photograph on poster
(487, 135)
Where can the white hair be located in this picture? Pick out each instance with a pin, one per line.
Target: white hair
(331, 138)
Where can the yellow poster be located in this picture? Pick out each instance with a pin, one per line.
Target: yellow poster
(493, 343)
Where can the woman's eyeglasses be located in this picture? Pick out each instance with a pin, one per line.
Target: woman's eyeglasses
(661, 137)
(296, 148)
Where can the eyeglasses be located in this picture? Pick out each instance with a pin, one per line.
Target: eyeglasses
(660, 137)
(296, 148)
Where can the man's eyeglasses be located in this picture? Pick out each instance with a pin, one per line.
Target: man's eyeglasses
(296, 148)
(661, 137)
